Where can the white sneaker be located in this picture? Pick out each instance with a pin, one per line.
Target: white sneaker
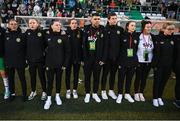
(104, 95)
(119, 99)
(47, 104)
(87, 98)
(6, 94)
(58, 100)
(155, 103)
(129, 98)
(96, 97)
(32, 95)
(68, 94)
(141, 97)
(43, 96)
(136, 97)
(112, 94)
(161, 103)
(75, 95)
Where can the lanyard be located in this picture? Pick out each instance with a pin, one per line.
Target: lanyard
(95, 34)
(130, 43)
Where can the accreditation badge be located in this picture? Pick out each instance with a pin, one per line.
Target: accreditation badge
(129, 52)
(59, 41)
(78, 36)
(18, 40)
(92, 45)
(145, 55)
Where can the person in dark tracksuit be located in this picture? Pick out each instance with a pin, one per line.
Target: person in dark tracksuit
(2, 66)
(164, 65)
(56, 59)
(35, 47)
(127, 61)
(113, 32)
(145, 56)
(75, 37)
(177, 70)
(15, 51)
(93, 50)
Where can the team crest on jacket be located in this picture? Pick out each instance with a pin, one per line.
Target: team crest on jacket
(118, 32)
(18, 40)
(172, 43)
(29, 33)
(78, 36)
(59, 41)
(39, 34)
(135, 41)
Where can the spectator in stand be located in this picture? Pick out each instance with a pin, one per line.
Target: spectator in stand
(172, 8)
(4, 16)
(37, 10)
(52, 3)
(22, 9)
(60, 4)
(80, 13)
(58, 13)
(50, 13)
(14, 6)
(78, 5)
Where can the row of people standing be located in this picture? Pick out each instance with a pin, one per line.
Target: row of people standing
(97, 48)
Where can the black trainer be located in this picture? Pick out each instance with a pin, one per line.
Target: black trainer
(177, 103)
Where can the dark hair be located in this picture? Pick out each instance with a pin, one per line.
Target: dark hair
(127, 24)
(12, 20)
(143, 24)
(52, 22)
(72, 20)
(95, 14)
(110, 15)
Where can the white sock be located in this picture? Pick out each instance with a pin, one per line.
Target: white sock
(5, 80)
(57, 94)
(49, 98)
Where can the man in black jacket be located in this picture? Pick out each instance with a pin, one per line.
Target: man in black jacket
(93, 49)
(113, 32)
